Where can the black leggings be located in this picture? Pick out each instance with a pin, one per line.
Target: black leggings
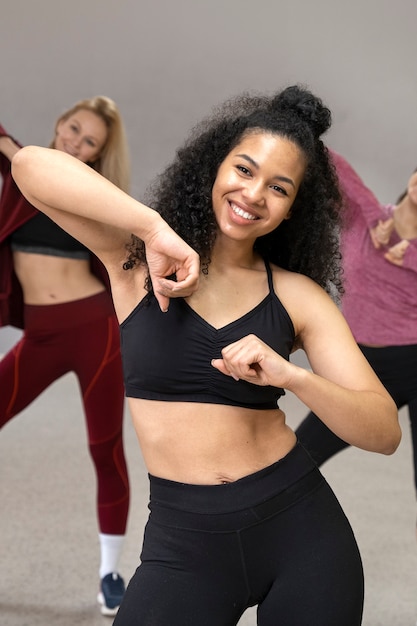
(277, 539)
(396, 367)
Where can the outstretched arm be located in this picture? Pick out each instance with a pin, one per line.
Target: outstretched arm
(101, 216)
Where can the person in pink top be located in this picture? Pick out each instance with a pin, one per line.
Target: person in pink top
(379, 248)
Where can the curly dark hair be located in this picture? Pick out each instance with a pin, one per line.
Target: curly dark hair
(308, 242)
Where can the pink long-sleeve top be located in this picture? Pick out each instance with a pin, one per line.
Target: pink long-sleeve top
(380, 300)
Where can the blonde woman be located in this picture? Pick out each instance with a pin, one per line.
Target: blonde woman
(56, 290)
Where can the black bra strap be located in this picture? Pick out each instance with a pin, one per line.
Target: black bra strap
(269, 274)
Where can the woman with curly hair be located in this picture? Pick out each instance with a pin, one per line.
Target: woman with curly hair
(224, 278)
(57, 291)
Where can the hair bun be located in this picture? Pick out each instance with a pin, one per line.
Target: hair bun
(307, 106)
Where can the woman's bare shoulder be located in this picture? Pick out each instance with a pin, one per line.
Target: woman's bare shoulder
(303, 299)
(293, 283)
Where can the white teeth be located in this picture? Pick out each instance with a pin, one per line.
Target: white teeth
(242, 213)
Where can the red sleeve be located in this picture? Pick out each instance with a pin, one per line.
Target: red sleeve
(15, 210)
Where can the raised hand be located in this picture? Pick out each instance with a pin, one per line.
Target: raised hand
(167, 254)
(395, 254)
(381, 233)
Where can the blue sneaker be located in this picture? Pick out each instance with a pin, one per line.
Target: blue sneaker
(112, 589)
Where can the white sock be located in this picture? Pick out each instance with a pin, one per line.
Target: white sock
(110, 549)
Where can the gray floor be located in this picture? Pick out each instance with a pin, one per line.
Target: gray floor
(48, 535)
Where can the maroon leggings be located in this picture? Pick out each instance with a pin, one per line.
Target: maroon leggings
(82, 337)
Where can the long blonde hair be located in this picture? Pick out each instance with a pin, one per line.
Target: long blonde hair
(114, 160)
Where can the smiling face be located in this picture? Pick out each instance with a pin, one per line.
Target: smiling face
(83, 135)
(256, 185)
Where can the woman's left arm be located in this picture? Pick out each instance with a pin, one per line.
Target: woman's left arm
(403, 254)
(342, 389)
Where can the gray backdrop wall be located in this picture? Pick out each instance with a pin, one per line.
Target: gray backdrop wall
(168, 62)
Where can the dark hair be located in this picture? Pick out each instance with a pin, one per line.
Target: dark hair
(308, 242)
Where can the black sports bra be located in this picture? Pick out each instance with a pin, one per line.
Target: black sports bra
(42, 236)
(167, 356)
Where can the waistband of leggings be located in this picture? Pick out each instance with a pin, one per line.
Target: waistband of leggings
(250, 491)
(67, 314)
(409, 349)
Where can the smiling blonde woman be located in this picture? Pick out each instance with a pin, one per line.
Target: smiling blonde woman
(54, 288)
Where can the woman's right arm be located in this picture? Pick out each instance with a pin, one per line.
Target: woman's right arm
(102, 217)
(357, 195)
(8, 147)
(359, 200)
